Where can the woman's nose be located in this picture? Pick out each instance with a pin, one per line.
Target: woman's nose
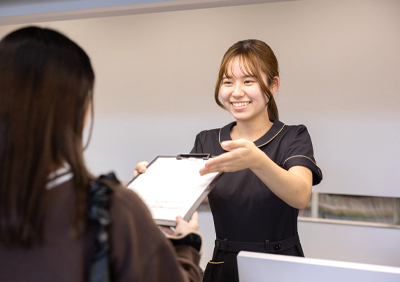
(238, 90)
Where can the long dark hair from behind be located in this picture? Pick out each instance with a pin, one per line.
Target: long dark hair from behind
(46, 86)
(256, 58)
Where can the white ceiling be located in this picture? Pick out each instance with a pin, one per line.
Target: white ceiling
(28, 11)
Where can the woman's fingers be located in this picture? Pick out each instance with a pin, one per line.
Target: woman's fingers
(222, 163)
(240, 156)
(183, 227)
(234, 144)
(194, 221)
(140, 168)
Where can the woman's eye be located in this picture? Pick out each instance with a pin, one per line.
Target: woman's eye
(249, 81)
(226, 82)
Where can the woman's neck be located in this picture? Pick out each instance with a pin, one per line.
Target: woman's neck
(251, 131)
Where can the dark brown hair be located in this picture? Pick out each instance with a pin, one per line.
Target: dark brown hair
(257, 58)
(46, 83)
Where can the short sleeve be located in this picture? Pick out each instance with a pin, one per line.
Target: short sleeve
(198, 143)
(299, 152)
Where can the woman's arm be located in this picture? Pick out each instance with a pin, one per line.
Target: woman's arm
(293, 186)
(141, 252)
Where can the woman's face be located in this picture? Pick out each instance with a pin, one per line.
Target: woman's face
(242, 96)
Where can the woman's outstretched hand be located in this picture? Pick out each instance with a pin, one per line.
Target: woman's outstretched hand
(241, 154)
(293, 186)
(140, 168)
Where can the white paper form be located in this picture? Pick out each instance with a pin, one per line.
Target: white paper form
(172, 187)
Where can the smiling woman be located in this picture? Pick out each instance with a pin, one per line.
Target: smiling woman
(269, 167)
(259, 62)
(243, 97)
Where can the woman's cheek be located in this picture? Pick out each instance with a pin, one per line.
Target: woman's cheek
(224, 95)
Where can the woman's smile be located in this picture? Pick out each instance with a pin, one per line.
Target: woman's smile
(240, 105)
(242, 95)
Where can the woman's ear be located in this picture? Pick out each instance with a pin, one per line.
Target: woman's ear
(274, 84)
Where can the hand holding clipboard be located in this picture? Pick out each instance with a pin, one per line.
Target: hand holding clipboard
(172, 186)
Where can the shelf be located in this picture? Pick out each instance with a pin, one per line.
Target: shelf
(364, 210)
(348, 222)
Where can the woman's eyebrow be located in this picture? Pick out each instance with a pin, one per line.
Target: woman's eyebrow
(246, 76)
(242, 77)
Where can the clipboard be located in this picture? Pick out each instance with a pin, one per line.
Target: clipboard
(172, 186)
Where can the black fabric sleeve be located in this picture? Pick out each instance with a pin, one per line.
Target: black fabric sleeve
(198, 143)
(299, 152)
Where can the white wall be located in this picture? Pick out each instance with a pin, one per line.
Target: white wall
(340, 66)
(352, 243)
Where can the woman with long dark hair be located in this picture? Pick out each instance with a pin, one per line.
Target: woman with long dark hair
(48, 204)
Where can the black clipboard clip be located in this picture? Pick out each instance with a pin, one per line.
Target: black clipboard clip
(194, 155)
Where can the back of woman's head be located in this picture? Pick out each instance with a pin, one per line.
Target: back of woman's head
(257, 59)
(46, 83)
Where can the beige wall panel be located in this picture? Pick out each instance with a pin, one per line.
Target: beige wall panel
(339, 62)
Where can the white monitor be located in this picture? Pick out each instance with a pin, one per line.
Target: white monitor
(259, 267)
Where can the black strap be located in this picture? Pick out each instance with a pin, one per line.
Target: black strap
(261, 247)
(98, 213)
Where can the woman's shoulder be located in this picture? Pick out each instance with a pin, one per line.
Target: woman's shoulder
(209, 132)
(214, 133)
(295, 130)
(294, 127)
(210, 136)
(207, 141)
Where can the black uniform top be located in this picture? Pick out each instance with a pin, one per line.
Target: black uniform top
(243, 207)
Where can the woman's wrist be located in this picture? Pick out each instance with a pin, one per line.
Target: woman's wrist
(260, 161)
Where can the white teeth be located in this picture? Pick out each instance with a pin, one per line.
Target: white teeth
(240, 104)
